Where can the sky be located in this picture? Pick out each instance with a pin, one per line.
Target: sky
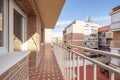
(99, 10)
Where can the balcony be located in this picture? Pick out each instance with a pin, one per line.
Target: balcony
(48, 68)
(115, 20)
(61, 63)
(115, 26)
(66, 64)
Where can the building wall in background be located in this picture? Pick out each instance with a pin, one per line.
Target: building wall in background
(80, 33)
(105, 37)
(115, 27)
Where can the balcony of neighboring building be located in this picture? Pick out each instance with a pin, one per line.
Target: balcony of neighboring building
(115, 19)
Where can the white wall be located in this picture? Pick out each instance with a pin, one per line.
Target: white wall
(115, 20)
(115, 17)
(48, 35)
(114, 60)
(78, 27)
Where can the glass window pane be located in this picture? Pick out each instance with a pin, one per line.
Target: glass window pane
(1, 22)
(18, 26)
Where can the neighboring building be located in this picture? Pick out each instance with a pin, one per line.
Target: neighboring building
(22, 33)
(105, 37)
(58, 40)
(115, 27)
(81, 33)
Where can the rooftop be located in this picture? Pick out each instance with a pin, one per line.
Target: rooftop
(116, 8)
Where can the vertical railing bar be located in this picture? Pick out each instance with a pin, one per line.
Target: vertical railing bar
(73, 66)
(84, 69)
(112, 76)
(66, 67)
(78, 69)
(65, 64)
(62, 59)
(94, 72)
(70, 65)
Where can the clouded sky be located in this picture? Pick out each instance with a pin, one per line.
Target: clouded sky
(99, 11)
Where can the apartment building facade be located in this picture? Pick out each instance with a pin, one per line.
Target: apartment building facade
(115, 28)
(81, 33)
(22, 34)
(105, 37)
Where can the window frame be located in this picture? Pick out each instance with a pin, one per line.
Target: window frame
(13, 6)
(4, 48)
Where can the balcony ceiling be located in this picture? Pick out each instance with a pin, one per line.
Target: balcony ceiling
(49, 11)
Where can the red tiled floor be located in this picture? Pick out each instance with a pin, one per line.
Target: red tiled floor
(48, 68)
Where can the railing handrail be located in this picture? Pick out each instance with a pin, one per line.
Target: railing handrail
(98, 51)
(96, 62)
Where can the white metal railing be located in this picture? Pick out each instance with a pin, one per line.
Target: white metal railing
(70, 60)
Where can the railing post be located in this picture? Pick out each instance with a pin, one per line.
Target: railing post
(73, 66)
(84, 69)
(94, 71)
(70, 65)
(111, 76)
(78, 69)
(63, 60)
(66, 64)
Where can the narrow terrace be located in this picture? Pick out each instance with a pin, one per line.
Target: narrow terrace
(48, 68)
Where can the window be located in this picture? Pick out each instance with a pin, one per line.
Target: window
(17, 27)
(1, 23)
(18, 30)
